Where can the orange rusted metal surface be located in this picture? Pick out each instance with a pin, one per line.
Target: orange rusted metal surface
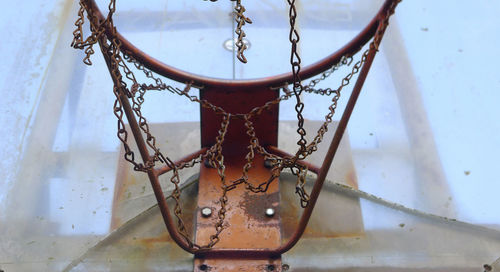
(230, 265)
(246, 226)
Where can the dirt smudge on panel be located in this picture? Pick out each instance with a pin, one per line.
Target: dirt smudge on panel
(255, 205)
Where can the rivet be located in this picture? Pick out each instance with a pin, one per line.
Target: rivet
(206, 212)
(207, 163)
(268, 164)
(229, 44)
(270, 267)
(270, 212)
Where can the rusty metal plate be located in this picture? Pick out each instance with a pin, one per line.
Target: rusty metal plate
(227, 265)
(246, 226)
(239, 101)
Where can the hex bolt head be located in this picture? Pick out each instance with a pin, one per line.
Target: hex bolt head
(206, 212)
(270, 212)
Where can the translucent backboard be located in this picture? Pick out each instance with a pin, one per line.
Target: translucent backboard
(419, 156)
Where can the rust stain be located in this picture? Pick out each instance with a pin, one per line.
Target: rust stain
(246, 223)
(289, 215)
(151, 242)
(254, 205)
(351, 178)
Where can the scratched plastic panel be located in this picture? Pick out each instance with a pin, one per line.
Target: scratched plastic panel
(415, 188)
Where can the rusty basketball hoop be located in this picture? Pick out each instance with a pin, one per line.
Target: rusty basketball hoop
(239, 160)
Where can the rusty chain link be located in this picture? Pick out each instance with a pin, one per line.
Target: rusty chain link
(216, 159)
(111, 46)
(345, 60)
(297, 88)
(241, 20)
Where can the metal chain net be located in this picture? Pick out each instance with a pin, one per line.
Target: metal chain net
(135, 92)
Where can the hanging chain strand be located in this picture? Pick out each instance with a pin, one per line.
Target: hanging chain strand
(295, 62)
(88, 43)
(217, 159)
(241, 20)
(111, 46)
